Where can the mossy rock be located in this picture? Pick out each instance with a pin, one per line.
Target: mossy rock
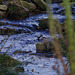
(6, 65)
(17, 11)
(7, 61)
(40, 48)
(29, 6)
(45, 47)
(44, 23)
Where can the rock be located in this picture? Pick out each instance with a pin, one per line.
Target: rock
(44, 47)
(7, 64)
(19, 69)
(40, 47)
(2, 14)
(7, 61)
(18, 2)
(3, 7)
(17, 11)
(29, 6)
(43, 23)
(40, 3)
(21, 52)
(11, 30)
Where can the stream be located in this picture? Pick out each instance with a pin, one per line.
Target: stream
(23, 46)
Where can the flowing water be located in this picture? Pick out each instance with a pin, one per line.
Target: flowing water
(23, 46)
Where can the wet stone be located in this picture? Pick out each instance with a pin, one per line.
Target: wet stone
(44, 47)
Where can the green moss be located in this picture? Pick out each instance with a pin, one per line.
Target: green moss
(6, 65)
(7, 61)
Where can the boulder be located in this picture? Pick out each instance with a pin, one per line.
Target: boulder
(40, 47)
(7, 61)
(7, 64)
(2, 14)
(45, 47)
(17, 11)
(43, 23)
(40, 3)
(3, 7)
(29, 6)
(18, 2)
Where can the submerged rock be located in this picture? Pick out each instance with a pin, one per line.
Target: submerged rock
(13, 30)
(21, 52)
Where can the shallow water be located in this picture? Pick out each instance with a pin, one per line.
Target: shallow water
(33, 64)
